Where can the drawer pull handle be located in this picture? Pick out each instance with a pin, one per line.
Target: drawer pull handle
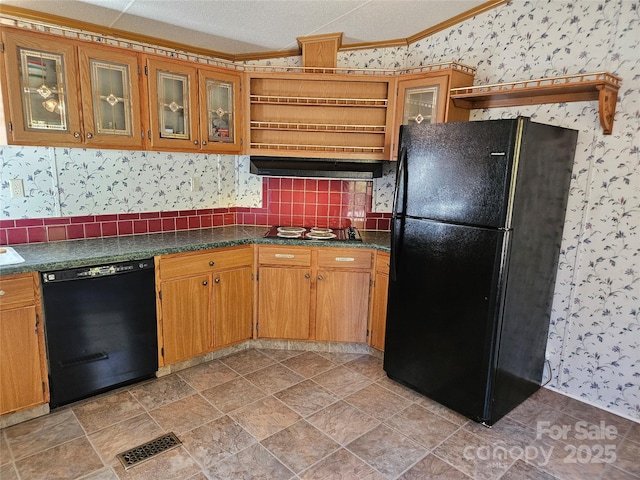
(212, 263)
(307, 276)
(284, 255)
(345, 259)
(1, 292)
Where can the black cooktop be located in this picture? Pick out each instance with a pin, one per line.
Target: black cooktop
(350, 234)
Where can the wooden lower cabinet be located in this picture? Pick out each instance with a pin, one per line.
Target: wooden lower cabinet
(379, 302)
(186, 318)
(23, 374)
(204, 301)
(284, 303)
(318, 293)
(232, 306)
(342, 306)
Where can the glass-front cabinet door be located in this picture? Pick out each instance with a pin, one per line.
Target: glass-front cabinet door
(43, 104)
(420, 100)
(110, 98)
(219, 104)
(173, 105)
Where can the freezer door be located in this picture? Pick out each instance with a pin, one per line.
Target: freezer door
(458, 172)
(443, 311)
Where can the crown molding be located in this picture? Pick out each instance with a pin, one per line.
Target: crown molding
(49, 19)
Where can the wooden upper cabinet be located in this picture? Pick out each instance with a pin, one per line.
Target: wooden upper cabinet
(62, 93)
(319, 115)
(41, 93)
(111, 102)
(193, 108)
(220, 100)
(173, 105)
(424, 98)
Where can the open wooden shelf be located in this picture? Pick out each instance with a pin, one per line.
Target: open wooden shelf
(316, 101)
(601, 86)
(318, 148)
(317, 127)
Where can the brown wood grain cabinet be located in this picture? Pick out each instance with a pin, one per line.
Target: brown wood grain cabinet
(232, 306)
(66, 93)
(204, 301)
(423, 97)
(23, 371)
(379, 301)
(319, 115)
(284, 292)
(41, 94)
(343, 284)
(314, 293)
(193, 108)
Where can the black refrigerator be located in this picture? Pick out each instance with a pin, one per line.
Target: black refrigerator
(477, 223)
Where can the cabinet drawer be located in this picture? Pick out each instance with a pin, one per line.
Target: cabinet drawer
(16, 291)
(296, 256)
(382, 262)
(344, 258)
(207, 261)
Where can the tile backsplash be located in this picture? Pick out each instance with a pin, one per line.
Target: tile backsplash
(285, 201)
(83, 193)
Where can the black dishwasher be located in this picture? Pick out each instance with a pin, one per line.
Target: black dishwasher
(100, 326)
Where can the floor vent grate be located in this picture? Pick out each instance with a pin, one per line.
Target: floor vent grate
(146, 451)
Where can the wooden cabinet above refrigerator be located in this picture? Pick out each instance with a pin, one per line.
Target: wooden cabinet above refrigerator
(345, 113)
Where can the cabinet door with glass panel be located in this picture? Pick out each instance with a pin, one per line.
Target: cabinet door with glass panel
(40, 95)
(110, 98)
(219, 109)
(420, 100)
(173, 105)
(193, 108)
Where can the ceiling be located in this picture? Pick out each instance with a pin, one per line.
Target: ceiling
(242, 27)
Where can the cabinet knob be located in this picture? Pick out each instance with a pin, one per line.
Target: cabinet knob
(217, 280)
(89, 135)
(76, 135)
(195, 142)
(307, 276)
(1, 292)
(205, 283)
(204, 142)
(212, 263)
(320, 277)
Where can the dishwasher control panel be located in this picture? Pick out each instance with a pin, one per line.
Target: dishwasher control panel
(97, 271)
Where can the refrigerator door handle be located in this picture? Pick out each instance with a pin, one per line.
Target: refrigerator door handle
(399, 179)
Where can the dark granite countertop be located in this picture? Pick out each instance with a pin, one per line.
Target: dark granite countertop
(79, 253)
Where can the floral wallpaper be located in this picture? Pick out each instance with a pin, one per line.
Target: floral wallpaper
(594, 339)
(71, 182)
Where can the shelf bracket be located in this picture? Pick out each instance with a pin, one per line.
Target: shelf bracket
(607, 98)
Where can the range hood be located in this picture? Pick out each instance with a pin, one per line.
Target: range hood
(316, 167)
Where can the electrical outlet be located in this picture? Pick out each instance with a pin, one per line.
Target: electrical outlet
(16, 188)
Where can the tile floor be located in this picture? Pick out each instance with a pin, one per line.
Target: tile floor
(276, 414)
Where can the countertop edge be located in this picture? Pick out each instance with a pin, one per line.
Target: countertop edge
(137, 247)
